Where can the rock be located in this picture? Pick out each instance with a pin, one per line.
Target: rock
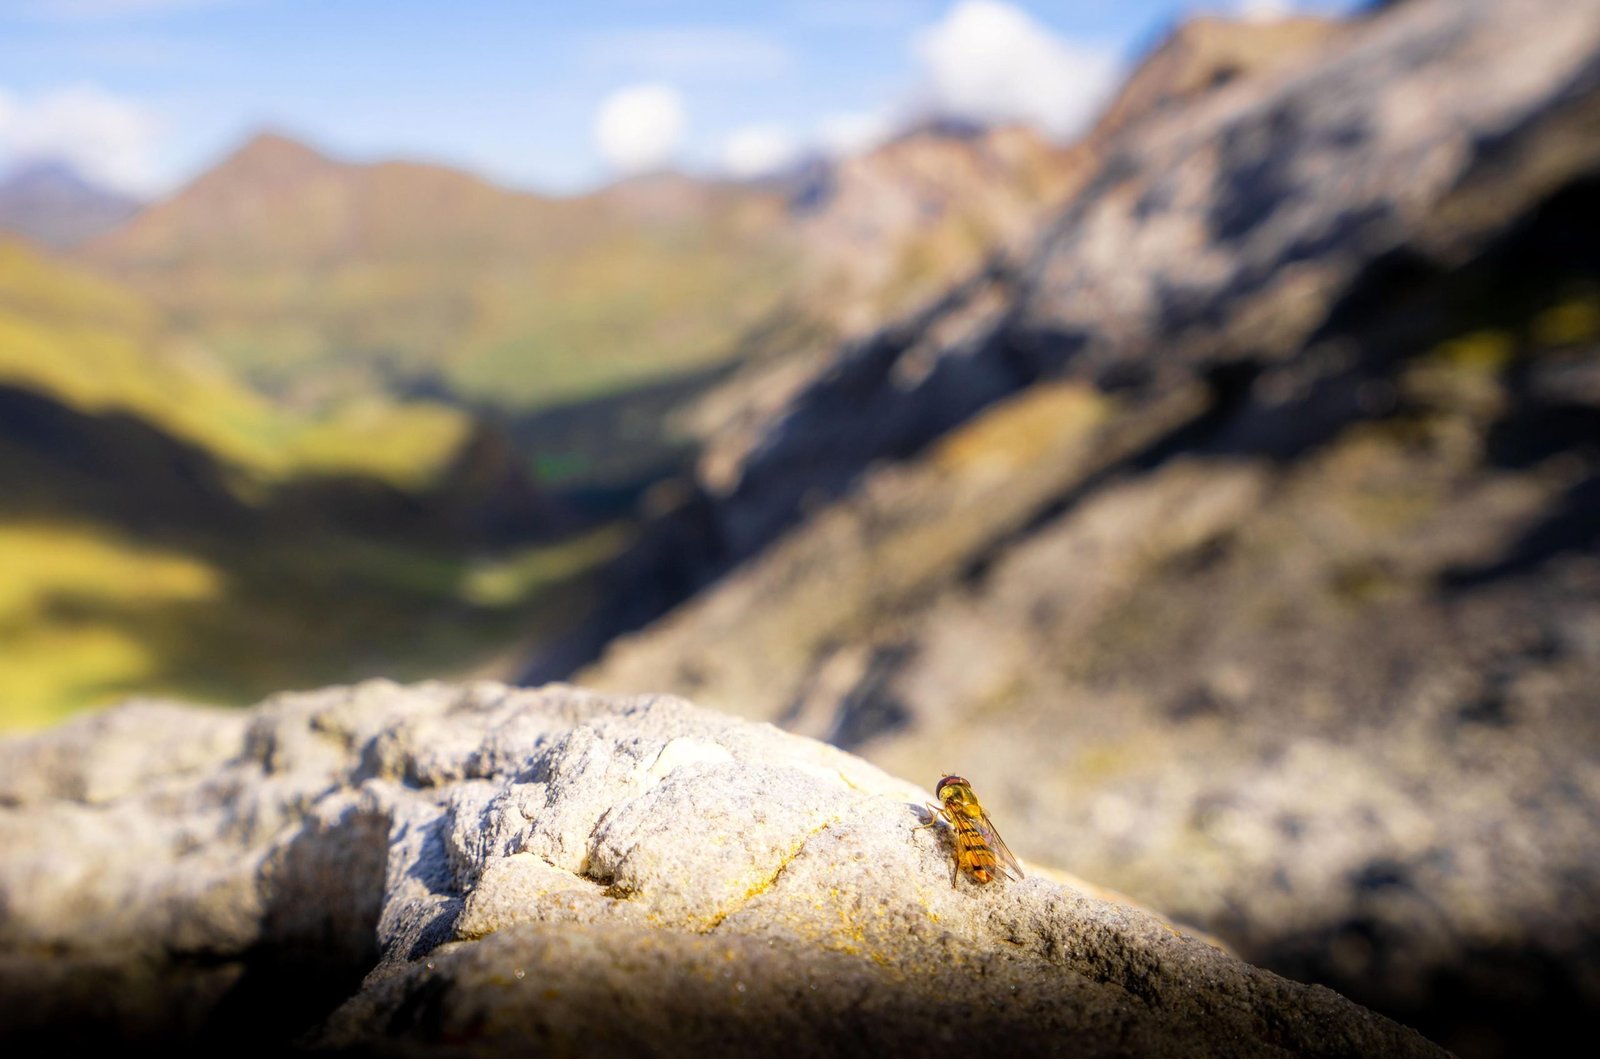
(1207, 53)
(1216, 229)
(476, 870)
(1250, 525)
(929, 232)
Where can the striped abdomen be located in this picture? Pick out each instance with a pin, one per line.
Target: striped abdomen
(973, 851)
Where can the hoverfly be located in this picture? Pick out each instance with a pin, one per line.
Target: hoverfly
(979, 847)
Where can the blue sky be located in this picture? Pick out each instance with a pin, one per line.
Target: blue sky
(145, 93)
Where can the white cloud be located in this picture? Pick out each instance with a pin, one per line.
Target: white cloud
(759, 150)
(690, 53)
(989, 61)
(109, 140)
(1263, 10)
(640, 128)
(847, 134)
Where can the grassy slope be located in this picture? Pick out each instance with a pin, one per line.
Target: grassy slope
(89, 615)
(95, 346)
(89, 612)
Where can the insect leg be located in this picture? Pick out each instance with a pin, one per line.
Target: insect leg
(939, 814)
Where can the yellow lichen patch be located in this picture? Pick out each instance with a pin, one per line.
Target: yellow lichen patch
(1017, 432)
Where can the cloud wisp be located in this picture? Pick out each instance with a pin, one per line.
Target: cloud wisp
(108, 139)
(641, 128)
(1264, 10)
(991, 62)
(854, 132)
(760, 150)
(985, 61)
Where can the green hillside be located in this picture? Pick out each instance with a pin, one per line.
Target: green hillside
(97, 347)
(163, 528)
(321, 279)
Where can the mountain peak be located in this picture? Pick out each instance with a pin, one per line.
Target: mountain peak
(277, 155)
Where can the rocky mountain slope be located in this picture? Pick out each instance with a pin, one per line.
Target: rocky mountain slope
(929, 230)
(478, 871)
(1243, 532)
(1208, 52)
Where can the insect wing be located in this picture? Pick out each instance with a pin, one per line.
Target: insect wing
(1002, 852)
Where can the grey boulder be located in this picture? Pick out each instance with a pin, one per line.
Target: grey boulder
(448, 870)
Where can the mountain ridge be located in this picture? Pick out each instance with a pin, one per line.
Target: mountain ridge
(296, 267)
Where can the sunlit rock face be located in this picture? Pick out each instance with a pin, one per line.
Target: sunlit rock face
(896, 233)
(1244, 530)
(482, 871)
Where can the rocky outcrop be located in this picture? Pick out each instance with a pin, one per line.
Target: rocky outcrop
(1221, 231)
(478, 871)
(1208, 52)
(1249, 525)
(890, 228)
(930, 232)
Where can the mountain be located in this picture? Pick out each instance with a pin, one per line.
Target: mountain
(53, 205)
(1240, 528)
(889, 229)
(405, 360)
(319, 278)
(938, 220)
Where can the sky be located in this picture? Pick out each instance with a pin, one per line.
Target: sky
(142, 95)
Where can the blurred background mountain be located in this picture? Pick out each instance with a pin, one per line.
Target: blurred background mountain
(1217, 486)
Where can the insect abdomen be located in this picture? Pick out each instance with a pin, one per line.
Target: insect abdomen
(973, 851)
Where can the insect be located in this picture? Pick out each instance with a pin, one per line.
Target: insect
(979, 847)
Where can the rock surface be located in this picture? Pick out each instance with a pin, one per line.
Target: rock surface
(475, 871)
(926, 233)
(1224, 230)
